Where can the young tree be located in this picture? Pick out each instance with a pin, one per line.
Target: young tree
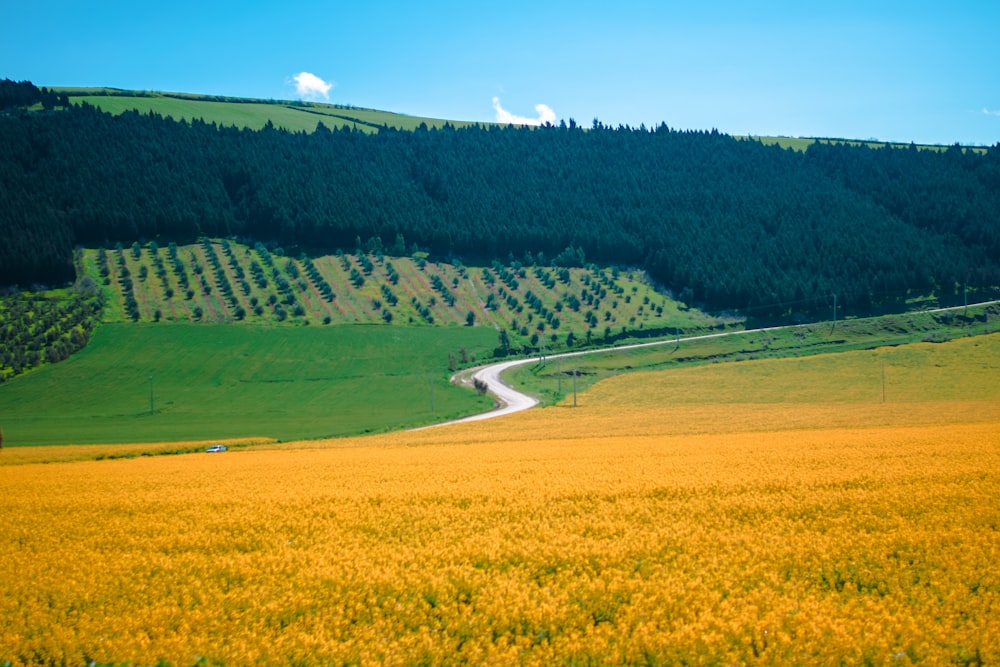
(504, 341)
(470, 319)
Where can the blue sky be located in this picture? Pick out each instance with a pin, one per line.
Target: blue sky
(918, 71)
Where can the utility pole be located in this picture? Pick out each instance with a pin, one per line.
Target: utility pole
(574, 387)
(151, 395)
(834, 311)
(430, 386)
(558, 376)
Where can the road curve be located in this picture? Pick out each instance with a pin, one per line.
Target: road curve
(510, 400)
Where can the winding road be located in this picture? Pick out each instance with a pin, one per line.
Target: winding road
(510, 400)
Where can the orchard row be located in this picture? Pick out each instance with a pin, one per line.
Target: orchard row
(224, 281)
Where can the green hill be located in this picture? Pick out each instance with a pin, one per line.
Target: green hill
(296, 116)
(725, 223)
(213, 245)
(254, 114)
(221, 340)
(224, 281)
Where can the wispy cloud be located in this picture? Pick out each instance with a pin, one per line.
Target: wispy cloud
(310, 87)
(545, 115)
(990, 113)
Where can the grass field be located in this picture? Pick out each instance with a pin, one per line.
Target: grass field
(217, 381)
(294, 117)
(553, 380)
(267, 378)
(237, 353)
(802, 143)
(299, 116)
(771, 512)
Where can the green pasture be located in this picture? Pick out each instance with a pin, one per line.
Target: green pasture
(250, 115)
(218, 381)
(552, 379)
(304, 116)
(802, 143)
(294, 117)
(961, 369)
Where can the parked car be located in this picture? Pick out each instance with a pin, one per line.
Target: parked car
(217, 448)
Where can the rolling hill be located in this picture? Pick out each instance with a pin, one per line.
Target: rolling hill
(196, 213)
(778, 511)
(253, 114)
(723, 222)
(298, 115)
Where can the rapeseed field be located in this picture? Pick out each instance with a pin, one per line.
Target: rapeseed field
(656, 523)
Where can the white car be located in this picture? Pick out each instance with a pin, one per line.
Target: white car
(217, 448)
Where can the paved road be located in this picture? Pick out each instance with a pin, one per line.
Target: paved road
(510, 400)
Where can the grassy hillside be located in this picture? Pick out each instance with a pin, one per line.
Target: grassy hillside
(218, 381)
(802, 143)
(245, 342)
(704, 213)
(224, 281)
(304, 116)
(251, 114)
(553, 381)
(308, 366)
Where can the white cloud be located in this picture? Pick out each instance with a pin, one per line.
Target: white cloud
(990, 113)
(545, 115)
(309, 86)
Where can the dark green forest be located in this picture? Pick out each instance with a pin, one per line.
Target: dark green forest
(725, 223)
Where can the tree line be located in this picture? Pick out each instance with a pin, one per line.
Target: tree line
(16, 94)
(725, 223)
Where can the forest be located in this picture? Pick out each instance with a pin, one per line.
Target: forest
(723, 222)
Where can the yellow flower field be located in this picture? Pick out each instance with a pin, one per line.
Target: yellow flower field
(657, 523)
(66, 453)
